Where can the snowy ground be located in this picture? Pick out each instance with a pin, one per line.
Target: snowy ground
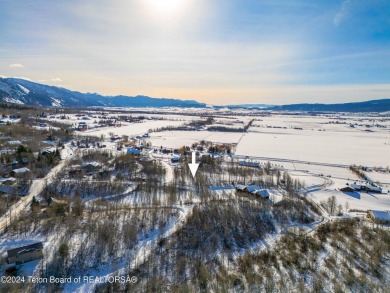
(356, 200)
(344, 148)
(133, 129)
(177, 139)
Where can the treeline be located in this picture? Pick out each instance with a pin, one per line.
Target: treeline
(357, 170)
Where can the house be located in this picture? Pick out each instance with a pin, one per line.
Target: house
(20, 172)
(251, 188)
(175, 159)
(249, 163)
(367, 187)
(7, 181)
(263, 193)
(25, 254)
(14, 189)
(133, 151)
(14, 142)
(240, 187)
(75, 172)
(380, 217)
(40, 201)
(6, 152)
(47, 152)
(347, 189)
(82, 126)
(374, 188)
(91, 166)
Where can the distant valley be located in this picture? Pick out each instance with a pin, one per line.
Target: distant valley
(21, 91)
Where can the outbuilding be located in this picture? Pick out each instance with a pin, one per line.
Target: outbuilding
(133, 151)
(262, 192)
(25, 254)
(380, 217)
(20, 172)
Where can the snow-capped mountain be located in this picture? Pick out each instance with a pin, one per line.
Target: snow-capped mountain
(21, 91)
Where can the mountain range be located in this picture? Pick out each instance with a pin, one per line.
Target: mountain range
(21, 91)
(367, 106)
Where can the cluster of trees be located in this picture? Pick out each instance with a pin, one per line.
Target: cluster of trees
(107, 236)
(343, 256)
(333, 207)
(83, 188)
(358, 171)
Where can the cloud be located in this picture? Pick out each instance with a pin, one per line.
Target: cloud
(21, 77)
(56, 79)
(16, 65)
(342, 13)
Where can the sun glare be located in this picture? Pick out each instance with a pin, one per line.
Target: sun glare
(166, 6)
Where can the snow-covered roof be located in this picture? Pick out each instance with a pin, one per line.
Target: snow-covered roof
(94, 164)
(21, 170)
(14, 142)
(374, 188)
(262, 192)
(381, 215)
(24, 249)
(133, 151)
(6, 151)
(252, 188)
(2, 180)
(249, 163)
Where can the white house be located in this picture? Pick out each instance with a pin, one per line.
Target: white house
(374, 188)
(357, 186)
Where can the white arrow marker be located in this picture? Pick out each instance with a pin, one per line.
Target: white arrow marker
(193, 166)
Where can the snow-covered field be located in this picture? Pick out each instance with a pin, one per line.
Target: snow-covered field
(379, 177)
(345, 148)
(176, 139)
(134, 128)
(356, 200)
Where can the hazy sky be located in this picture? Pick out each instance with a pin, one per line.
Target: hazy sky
(214, 51)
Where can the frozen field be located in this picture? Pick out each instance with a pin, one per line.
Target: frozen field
(176, 139)
(133, 129)
(380, 177)
(345, 148)
(356, 200)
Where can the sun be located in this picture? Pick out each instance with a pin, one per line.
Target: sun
(166, 6)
